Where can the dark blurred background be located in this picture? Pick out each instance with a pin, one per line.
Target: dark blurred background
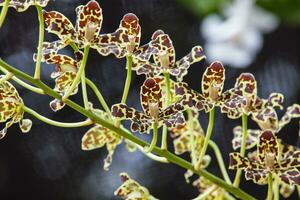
(48, 163)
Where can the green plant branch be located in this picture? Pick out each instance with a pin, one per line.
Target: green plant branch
(37, 73)
(164, 139)
(6, 77)
(23, 84)
(127, 83)
(192, 137)
(270, 187)
(207, 137)
(220, 160)
(238, 174)
(154, 139)
(78, 75)
(163, 153)
(128, 79)
(84, 91)
(276, 188)
(99, 96)
(56, 123)
(4, 12)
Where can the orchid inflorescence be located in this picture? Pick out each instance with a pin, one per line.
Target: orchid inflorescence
(168, 105)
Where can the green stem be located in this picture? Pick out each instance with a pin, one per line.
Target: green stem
(127, 83)
(168, 87)
(164, 139)
(4, 12)
(298, 190)
(207, 137)
(128, 79)
(276, 188)
(6, 77)
(84, 92)
(164, 153)
(37, 73)
(238, 174)
(24, 84)
(99, 96)
(270, 186)
(78, 75)
(56, 123)
(154, 139)
(192, 137)
(220, 160)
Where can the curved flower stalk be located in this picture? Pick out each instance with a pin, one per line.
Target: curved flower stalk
(11, 108)
(276, 125)
(163, 52)
(151, 100)
(66, 69)
(130, 189)
(23, 5)
(268, 162)
(212, 86)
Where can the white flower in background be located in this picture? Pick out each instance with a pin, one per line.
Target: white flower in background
(236, 38)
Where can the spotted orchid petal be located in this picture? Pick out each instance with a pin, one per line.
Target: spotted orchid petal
(291, 112)
(267, 147)
(11, 108)
(258, 176)
(22, 5)
(140, 121)
(238, 162)
(290, 158)
(174, 120)
(290, 176)
(97, 137)
(163, 50)
(60, 25)
(213, 81)
(191, 98)
(89, 22)
(266, 118)
(151, 97)
(182, 65)
(251, 140)
(124, 41)
(231, 104)
(130, 189)
(144, 67)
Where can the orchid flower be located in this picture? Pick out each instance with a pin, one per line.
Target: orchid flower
(125, 40)
(261, 110)
(23, 5)
(268, 161)
(236, 37)
(276, 125)
(65, 71)
(87, 28)
(212, 86)
(163, 52)
(11, 108)
(152, 103)
(98, 136)
(130, 189)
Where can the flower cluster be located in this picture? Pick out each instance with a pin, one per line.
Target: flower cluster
(165, 99)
